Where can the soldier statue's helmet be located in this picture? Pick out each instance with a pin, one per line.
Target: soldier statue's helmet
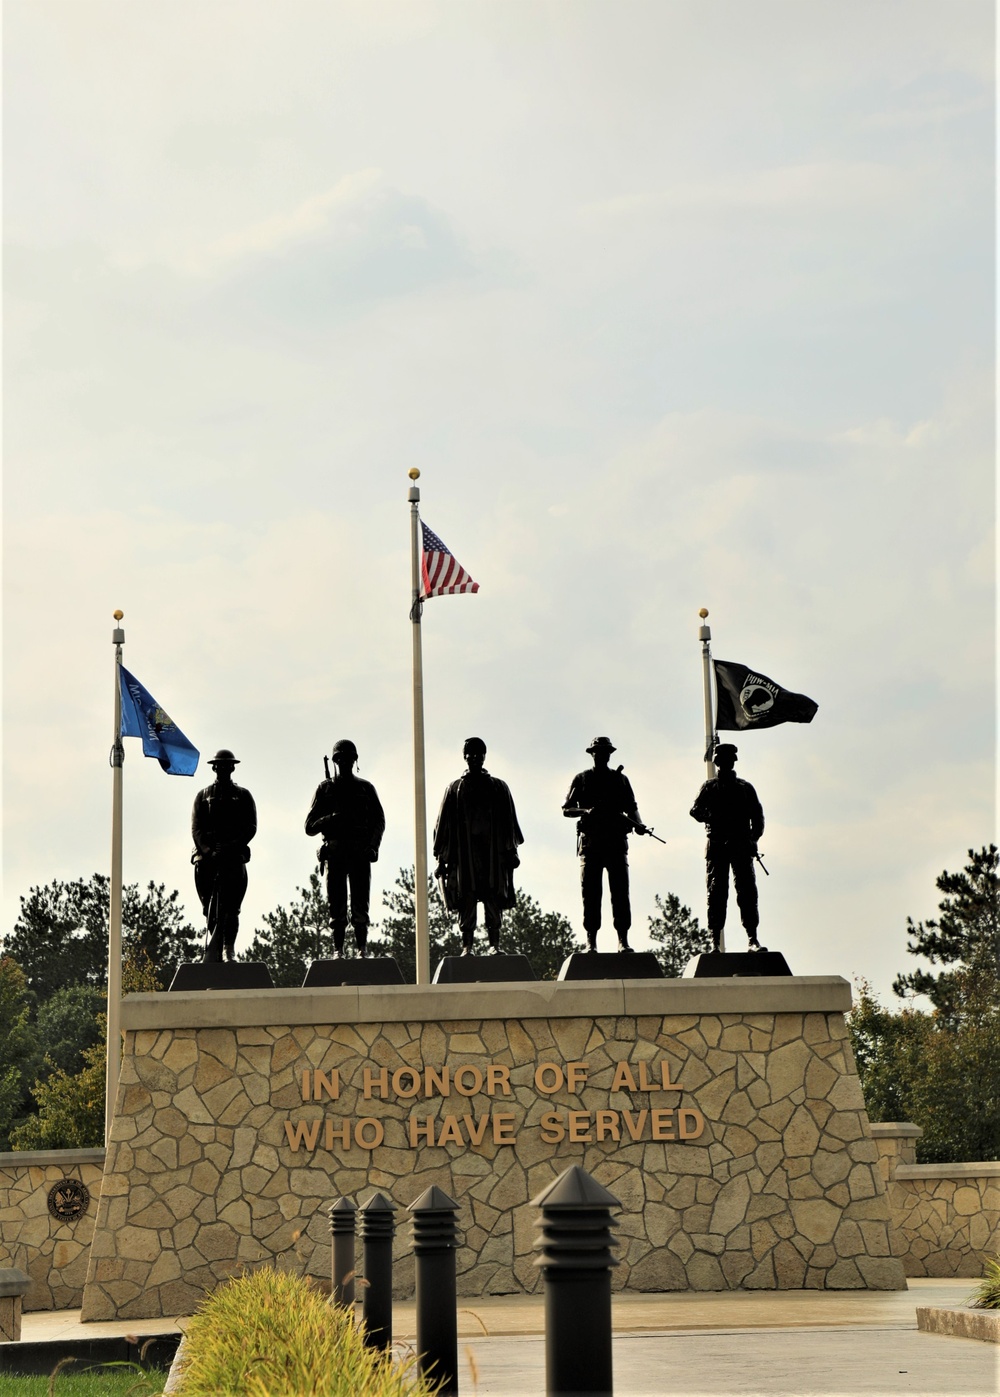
(725, 750)
(473, 744)
(602, 742)
(344, 747)
(223, 756)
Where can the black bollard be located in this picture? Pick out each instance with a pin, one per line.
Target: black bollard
(435, 1238)
(342, 1219)
(576, 1259)
(377, 1228)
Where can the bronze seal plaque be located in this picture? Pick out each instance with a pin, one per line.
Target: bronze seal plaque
(69, 1199)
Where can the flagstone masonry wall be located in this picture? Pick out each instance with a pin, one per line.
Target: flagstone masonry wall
(781, 1189)
(53, 1253)
(946, 1217)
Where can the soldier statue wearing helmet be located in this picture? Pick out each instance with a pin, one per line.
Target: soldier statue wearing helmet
(347, 812)
(602, 803)
(729, 807)
(223, 822)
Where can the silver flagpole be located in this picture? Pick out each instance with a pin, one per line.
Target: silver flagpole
(419, 779)
(115, 908)
(705, 636)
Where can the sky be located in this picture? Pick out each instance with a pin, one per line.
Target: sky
(672, 305)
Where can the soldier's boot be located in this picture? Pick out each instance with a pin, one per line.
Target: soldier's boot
(591, 941)
(361, 941)
(717, 940)
(495, 944)
(338, 941)
(752, 943)
(623, 943)
(467, 943)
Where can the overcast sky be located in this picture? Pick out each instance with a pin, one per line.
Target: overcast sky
(672, 304)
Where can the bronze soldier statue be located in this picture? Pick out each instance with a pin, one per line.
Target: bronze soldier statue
(475, 847)
(729, 807)
(223, 822)
(347, 812)
(602, 803)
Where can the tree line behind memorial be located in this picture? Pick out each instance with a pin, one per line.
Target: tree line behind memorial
(939, 1068)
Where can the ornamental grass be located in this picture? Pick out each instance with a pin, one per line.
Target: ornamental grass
(272, 1334)
(986, 1295)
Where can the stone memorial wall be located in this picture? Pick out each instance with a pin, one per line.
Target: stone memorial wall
(726, 1115)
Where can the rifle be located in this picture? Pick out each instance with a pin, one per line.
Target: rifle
(646, 829)
(326, 765)
(760, 861)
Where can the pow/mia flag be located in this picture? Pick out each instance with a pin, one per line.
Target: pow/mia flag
(746, 699)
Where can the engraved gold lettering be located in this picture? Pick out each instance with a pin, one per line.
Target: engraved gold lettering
(451, 1132)
(303, 1133)
(576, 1075)
(553, 1129)
(329, 1084)
(635, 1130)
(684, 1114)
(418, 1128)
(557, 1078)
(579, 1121)
(645, 1082)
(306, 1075)
(663, 1124)
(378, 1134)
(411, 1077)
(375, 1081)
(503, 1126)
(498, 1076)
(623, 1078)
(607, 1125)
(665, 1083)
(476, 1137)
(439, 1081)
(459, 1078)
(341, 1130)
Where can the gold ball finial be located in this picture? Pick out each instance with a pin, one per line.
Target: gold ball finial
(413, 473)
(118, 615)
(703, 612)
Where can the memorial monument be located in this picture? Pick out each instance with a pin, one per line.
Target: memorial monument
(223, 823)
(734, 818)
(347, 812)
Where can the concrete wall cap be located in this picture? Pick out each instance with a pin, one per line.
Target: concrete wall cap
(35, 1158)
(983, 1169)
(887, 1130)
(538, 999)
(13, 1281)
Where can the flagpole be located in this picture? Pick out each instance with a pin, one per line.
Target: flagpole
(419, 778)
(115, 905)
(705, 636)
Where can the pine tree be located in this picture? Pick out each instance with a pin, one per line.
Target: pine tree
(677, 934)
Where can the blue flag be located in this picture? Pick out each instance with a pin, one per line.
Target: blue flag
(143, 717)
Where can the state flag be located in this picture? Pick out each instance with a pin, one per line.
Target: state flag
(143, 717)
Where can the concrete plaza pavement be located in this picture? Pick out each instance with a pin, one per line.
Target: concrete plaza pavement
(704, 1344)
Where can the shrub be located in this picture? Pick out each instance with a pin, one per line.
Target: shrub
(272, 1334)
(986, 1295)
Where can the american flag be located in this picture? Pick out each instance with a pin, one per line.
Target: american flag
(443, 575)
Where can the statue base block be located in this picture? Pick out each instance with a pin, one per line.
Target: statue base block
(379, 970)
(616, 965)
(222, 975)
(721, 965)
(482, 970)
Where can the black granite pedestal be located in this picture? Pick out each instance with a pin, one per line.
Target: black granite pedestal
(222, 975)
(722, 965)
(482, 970)
(616, 965)
(376, 970)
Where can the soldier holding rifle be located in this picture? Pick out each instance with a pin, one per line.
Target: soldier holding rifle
(602, 803)
(347, 812)
(729, 807)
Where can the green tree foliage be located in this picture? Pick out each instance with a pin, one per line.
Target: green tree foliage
(61, 933)
(15, 1043)
(965, 935)
(293, 937)
(941, 1069)
(546, 938)
(65, 1026)
(677, 935)
(70, 1103)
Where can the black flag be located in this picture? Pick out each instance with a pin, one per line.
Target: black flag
(746, 699)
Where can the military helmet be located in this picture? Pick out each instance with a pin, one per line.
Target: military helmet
(223, 755)
(345, 747)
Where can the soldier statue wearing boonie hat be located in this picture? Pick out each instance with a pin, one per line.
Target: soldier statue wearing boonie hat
(602, 803)
(223, 822)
